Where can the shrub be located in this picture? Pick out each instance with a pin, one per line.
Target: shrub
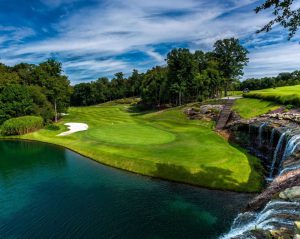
(127, 101)
(21, 125)
(52, 127)
(289, 107)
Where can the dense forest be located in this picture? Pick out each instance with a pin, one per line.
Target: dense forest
(186, 77)
(27, 89)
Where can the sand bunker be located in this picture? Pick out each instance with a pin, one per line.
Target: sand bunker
(73, 128)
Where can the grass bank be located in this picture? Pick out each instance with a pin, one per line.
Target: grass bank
(161, 144)
(282, 95)
(249, 108)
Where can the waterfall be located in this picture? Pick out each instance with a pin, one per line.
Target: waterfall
(265, 220)
(272, 137)
(288, 169)
(276, 213)
(291, 146)
(260, 131)
(277, 150)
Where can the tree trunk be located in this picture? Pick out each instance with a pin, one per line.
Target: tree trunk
(225, 89)
(55, 111)
(179, 98)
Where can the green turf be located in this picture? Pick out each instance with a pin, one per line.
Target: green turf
(282, 95)
(248, 108)
(161, 144)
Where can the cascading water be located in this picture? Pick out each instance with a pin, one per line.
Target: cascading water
(267, 219)
(277, 150)
(272, 137)
(291, 146)
(289, 169)
(260, 132)
(277, 213)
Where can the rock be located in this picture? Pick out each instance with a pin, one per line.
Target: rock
(297, 228)
(271, 191)
(290, 193)
(205, 112)
(207, 109)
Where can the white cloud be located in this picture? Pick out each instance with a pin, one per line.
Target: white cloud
(271, 60)
(116, 27)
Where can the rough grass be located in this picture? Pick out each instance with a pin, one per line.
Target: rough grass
(282, 95)
(21, 125)
(249, 108)
(161, 144)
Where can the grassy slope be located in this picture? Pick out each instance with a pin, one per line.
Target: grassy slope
(161, 144)
(249, 108)
(282, 95)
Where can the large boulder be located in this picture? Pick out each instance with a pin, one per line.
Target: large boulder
(291, 193)
(211, 109)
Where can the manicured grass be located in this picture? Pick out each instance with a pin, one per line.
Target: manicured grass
(282, 95)
(161, 144)
(248, 108)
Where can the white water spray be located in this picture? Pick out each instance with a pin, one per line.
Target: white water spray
(277, 150)
(265, 220)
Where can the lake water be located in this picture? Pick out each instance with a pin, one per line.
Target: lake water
(51, 192)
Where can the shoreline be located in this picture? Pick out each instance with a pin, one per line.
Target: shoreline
(127, 170)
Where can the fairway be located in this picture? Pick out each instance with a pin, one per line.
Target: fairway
(161, 144)
(282, 95)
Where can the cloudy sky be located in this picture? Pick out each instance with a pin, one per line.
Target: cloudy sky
(94, 38)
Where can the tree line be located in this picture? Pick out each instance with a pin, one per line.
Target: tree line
(43, 90)
(186, 77)
(282, 79)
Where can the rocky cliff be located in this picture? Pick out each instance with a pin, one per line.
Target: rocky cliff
(275, 213)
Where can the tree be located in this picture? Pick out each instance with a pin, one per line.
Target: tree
(25, 72)
(153, 93)
(181, 71)
(56, 86)
(19, 100)
(232, 57)
(134, 83)
(84, 94)
(284, 14)
(7, 76)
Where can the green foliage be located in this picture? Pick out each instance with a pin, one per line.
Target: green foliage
(127, 101)
(187, 77)
(287, 95)
(19, 100)
(283, 79)
(153, 87)
(21, 125)
(52, 127)
(289, 107)
(285, 14)
(232, 58)
(27, 89)
(103, 90)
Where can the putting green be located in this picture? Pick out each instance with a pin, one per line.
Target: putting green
(162, 144)
(131, 133)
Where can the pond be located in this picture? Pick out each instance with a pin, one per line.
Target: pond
(51, 192)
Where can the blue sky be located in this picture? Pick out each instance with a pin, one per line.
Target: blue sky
(94, 38)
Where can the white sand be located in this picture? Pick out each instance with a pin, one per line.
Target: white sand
(73, 128)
